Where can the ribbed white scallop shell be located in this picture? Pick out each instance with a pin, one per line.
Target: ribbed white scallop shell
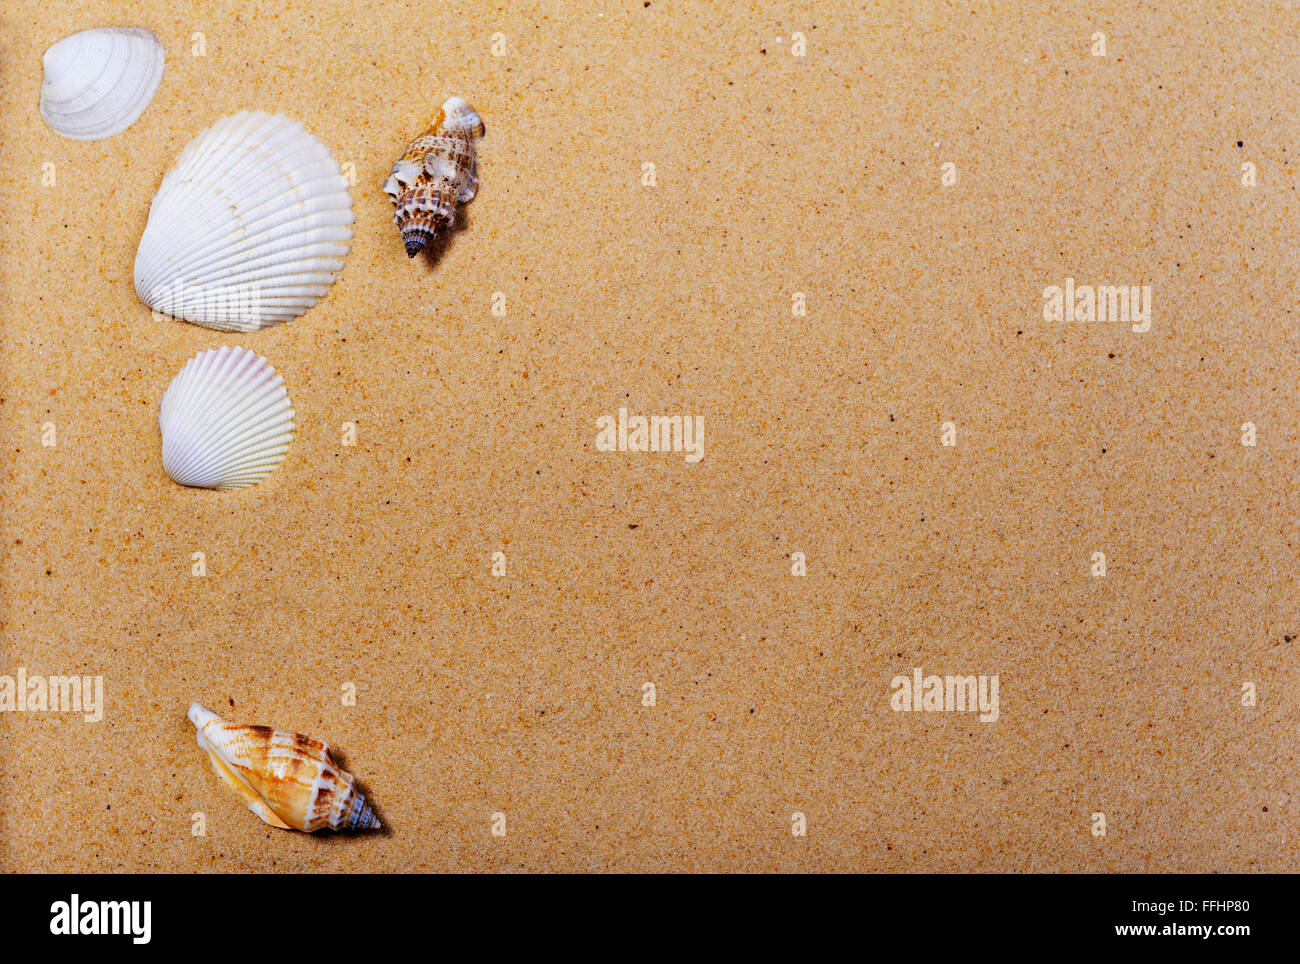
(98, 82)
(249, 228)
(226, 420)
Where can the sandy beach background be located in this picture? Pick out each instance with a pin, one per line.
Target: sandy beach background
(775, 174)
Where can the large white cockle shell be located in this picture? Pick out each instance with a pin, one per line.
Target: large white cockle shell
(98, 82)
(249, 229)
(226, 420)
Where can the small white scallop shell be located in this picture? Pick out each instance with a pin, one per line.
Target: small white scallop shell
(226, 420)
(98, 82)
(249, 229)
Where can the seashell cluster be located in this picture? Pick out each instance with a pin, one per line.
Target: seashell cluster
(438, 172)
(249, 229)
(98, 82)
(226, 420)
(287, 779)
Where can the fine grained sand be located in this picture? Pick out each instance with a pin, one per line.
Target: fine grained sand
(775, 174)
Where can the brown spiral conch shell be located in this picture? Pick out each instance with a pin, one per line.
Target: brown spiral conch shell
(438, 172)
(287, 779)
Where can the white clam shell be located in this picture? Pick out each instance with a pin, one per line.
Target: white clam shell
(249, 229)
(98, 82)
(226, 420)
